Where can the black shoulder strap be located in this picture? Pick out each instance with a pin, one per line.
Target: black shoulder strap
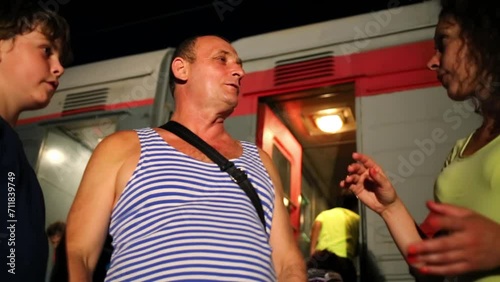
(237, 175)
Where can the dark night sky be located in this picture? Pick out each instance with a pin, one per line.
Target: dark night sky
(109, 29)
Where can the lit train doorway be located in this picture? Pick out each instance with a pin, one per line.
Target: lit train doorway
(288, 132)
(286, 153)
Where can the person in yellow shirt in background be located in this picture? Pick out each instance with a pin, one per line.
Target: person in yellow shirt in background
(334, 238)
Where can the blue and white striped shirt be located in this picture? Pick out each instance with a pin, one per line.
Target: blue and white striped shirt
(181, 219)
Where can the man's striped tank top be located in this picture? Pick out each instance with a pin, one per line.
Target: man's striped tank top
(180, 219)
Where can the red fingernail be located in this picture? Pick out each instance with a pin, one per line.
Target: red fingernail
(424, 270)
(373, 171)
(412, 250)
(411, 259)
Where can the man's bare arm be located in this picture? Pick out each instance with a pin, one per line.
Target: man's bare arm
(289, 263)
(89, 216)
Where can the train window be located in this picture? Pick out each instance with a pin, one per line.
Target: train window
(283, 166)
(304, 239)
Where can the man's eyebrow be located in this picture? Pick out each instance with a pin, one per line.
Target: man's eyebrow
(224, 52)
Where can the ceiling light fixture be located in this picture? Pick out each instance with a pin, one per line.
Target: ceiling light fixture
(329, 123)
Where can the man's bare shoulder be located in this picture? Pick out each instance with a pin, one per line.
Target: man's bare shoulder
(118, 145)
(269, 165)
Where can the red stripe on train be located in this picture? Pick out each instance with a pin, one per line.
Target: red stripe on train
(118, 106)
(375, 72)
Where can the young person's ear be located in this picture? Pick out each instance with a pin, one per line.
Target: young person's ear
(2, 47)
(180, 69)
(5, 46)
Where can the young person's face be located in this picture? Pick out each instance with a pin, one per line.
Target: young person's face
(452, 61)
(30, 69)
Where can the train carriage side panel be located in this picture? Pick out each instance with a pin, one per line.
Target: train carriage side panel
(108, 85)
(330, 47)
(126, 85)
(334, 52)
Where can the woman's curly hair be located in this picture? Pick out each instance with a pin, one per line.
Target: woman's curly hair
(479, 22)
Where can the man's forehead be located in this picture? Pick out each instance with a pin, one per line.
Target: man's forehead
(213, 44)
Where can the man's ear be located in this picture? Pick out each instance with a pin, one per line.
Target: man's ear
(180, 68)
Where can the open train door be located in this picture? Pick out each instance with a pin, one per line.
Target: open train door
(276, 140)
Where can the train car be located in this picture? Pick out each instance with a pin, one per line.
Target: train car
(367, 72)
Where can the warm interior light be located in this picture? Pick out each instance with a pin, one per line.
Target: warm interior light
(329, 123)
(286, 202)
(55, 156)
